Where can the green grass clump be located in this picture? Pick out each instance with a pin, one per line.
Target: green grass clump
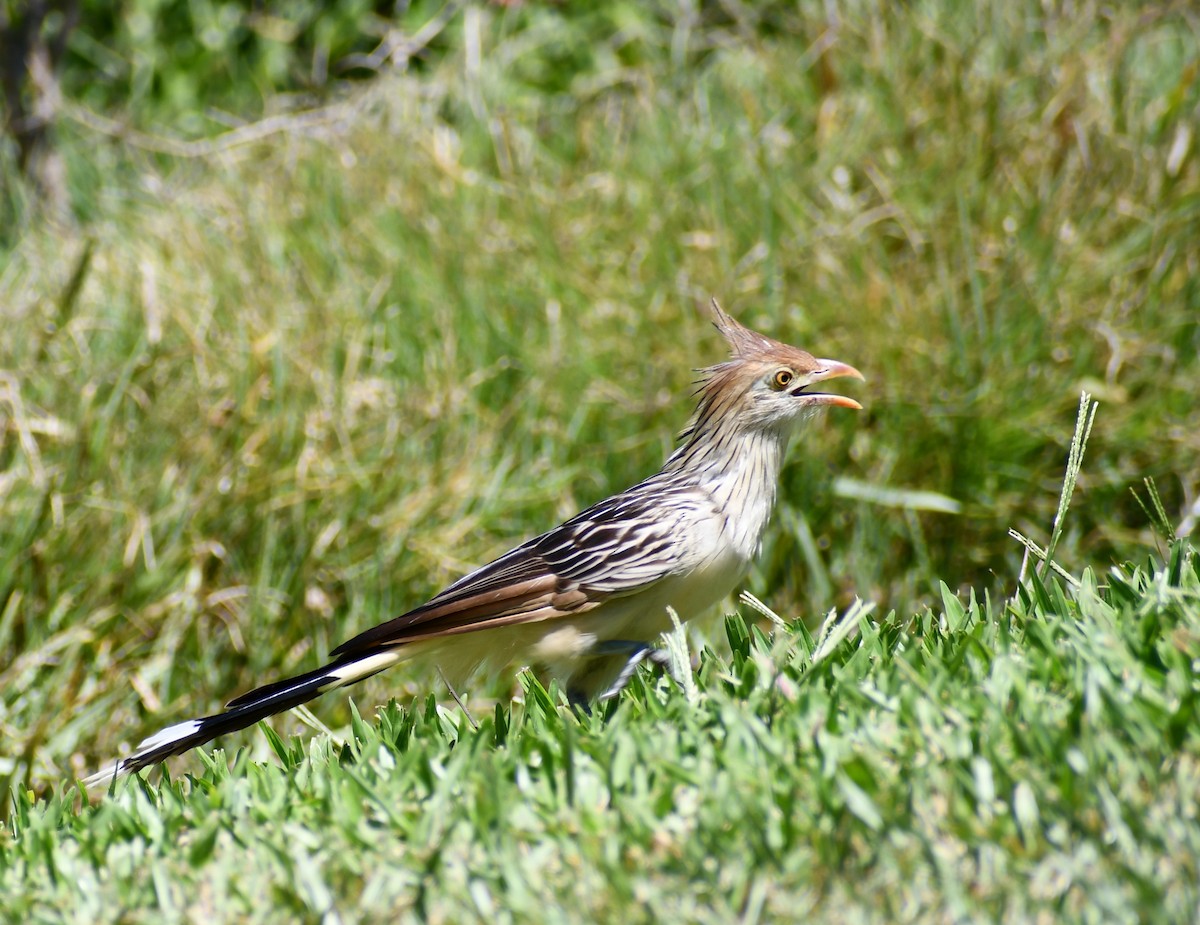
(981, 761)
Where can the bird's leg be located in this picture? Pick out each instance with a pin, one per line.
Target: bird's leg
(635, 653)
(580, 692)
(578, 701)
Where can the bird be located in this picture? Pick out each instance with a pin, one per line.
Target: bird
(586, 600)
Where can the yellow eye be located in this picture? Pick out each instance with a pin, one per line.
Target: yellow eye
(781, 379)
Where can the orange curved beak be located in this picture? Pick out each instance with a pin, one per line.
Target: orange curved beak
(830, 369)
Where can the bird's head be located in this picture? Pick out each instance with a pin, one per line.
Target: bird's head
(767, 384)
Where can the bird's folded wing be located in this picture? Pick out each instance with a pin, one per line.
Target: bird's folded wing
(618, 547)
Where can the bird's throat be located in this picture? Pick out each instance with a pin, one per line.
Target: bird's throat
(740, 471)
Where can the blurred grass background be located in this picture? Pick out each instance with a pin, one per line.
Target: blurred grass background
(257, 398)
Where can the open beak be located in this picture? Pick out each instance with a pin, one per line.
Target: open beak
(830, 369)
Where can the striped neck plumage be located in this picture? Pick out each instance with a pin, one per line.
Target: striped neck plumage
(738, 463)
(738, 468)
(715, 445)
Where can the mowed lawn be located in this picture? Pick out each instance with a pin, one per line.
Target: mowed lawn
(257, 399)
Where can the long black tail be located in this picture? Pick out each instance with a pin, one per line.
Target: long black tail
(247, 710)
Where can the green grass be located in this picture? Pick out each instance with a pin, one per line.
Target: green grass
(1022, 760)
(256, 401)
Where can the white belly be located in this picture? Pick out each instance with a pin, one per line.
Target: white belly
(564, 646)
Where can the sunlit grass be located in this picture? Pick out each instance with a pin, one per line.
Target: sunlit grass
(986, 760)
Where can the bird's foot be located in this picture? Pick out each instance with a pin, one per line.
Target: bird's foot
(636, 653)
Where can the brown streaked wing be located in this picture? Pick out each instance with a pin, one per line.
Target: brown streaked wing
(628, 542)
(516, 588)
(617, 547)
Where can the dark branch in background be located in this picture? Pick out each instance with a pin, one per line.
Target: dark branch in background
(398, 47)
(33, 39)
